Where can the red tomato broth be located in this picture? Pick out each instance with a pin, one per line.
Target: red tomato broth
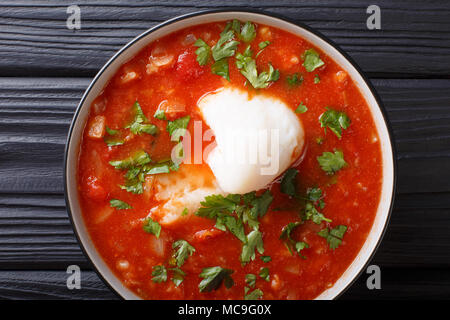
(351, 195)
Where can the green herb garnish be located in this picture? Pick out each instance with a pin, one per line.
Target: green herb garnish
(301, 108)
(331, 162)
(334, 236)
(159, 274)
(203, 52)
(335, 121)
(152, 227)
(119, 204)
(311, 60)
(183, 251)
(288, 182)
(264, 273)
(177, 128)
(213, 278)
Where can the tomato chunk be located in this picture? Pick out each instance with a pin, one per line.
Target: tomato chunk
(187, 67)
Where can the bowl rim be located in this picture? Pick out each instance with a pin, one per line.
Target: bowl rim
(225, 10)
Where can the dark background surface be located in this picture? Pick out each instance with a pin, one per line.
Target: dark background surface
(44, 69)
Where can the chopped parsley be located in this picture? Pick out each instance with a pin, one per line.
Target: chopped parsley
(177, 276)
(301, 108)
(248, 32)
(263, 44)
(316, 79)
(225, 47)
(264, 273)
(177, 128)
(247, 66)
(203, 52)
(311, 60)
(333, 236)
(111, 139)
(213, 278)
(119, 205)
(160, 114)
(290, 243)
(331, 162)
(250, 280)
(254, 242)
(138, 125)
(294, 79)
(254, 295)
(159, 274)
(139, 165)
(266, 259)
(221, 68)
(185, 212)
(184, 251)
(152, 227)
(288, 182)
(335, 121)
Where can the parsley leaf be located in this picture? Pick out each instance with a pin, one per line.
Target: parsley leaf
(316, 79)
(288, 182)
(248, 32)
(203, 52)
(221, 68)
(138, 126)
(184, 251)
(247, 66)
(311, 60)
(264, 273)
(290, 243)
(266, 259)
(254, 295)
(177, 276)
(250, 280)
(235, 226)
(295, 79)
(152, 227)
(110, 140)
(213, 278)
(216, 203)
(335, 120)
(160, 114)
(299, 246)
(331, 162)
(119, 205)
(312, 214)
(334, 237)
(225, 47)
(177, 128)
(254, 242)
(159, 274)
(263, 44)
(139, 158)
(301, 108)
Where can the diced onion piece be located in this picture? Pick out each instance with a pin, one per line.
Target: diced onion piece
(148, 187)
(172, 109)
(123, 264)
(158, 246)
(103, 214)
(97, 128)
(128, 76)
(188, 39)
(341, 77)
(265, 33)
(157, 63)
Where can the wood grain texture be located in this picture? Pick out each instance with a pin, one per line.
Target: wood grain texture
(395, 284)
(414, 39)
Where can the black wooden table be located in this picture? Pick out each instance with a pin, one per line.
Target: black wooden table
(45, 67)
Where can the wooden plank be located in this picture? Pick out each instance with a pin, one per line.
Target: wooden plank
(51, 285)
(35, 114)
(35, 233)
(404, 284)
(395, 284)
(34, 41)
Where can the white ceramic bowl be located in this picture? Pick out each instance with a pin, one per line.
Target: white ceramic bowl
(133, 47)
